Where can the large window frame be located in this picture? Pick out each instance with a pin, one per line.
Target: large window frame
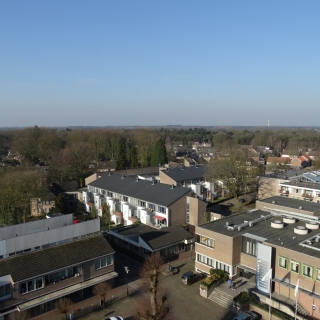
(295, 269)
(31, 285)
(280, 263)
(249, 246)
(307, 271)
(103, 262)
(206, 241)
(5, 290)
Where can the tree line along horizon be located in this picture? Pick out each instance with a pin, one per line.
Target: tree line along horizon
(69, 152)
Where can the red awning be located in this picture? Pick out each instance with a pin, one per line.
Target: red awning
(159, 218)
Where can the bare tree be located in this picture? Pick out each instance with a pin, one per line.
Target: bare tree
(64, 306)
(236, 171)
(158, 306)
(102, 289)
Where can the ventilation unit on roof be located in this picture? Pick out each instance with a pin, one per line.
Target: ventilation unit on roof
(300, 208)
(227, 223)
(289, 220)
(300, 230)
(251, 224)
(312, 225)
(277, 224)
(273, 202)
(239, 228)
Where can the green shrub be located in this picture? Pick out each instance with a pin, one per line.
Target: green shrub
(242, 298)
(223, 275)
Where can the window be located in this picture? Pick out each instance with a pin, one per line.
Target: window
(151, 206)
(141, 203)
(307, 271)
(5, 290)
(102, 262)
(188, 213)
(318, 274)
(283, 263)
(205, 241)
(206, 260)
(125, 198)
(249, 246)
(295, 267)
(31, 285)
(161, 209)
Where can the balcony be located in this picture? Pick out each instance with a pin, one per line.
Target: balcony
(118, 214)
(284, 192)
(307, 196)
(133, 219)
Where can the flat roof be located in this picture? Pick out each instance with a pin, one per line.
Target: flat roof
(295, 183)
(293, 203)
(285, 237)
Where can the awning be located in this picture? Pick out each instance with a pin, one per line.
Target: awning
(248, 269)
(159, 217)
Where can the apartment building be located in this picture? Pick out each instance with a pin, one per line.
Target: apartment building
(47, 259)
(192, 177)
(131, 199)
(282, 234)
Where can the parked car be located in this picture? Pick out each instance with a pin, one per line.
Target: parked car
(248, 315)
(190, 277)
(114, 318)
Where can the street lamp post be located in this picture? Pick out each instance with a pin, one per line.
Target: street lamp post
(127, 271)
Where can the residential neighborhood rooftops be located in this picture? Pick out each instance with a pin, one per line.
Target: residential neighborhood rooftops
(186, 173)
(151, 191)
(132, 230)
(65, 186)
(43, 261)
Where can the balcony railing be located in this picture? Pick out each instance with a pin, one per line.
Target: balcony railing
(307, 195)
(284, 192)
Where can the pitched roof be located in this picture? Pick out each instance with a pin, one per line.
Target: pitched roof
(186, 173)
(29, 265)
(165, 237)
(278, 160)
(158, 193)
(64, 186)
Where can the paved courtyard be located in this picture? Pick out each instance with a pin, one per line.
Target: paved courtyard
(185, 300)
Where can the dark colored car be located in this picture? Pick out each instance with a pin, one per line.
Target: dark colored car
(248, 315)
(190, 277)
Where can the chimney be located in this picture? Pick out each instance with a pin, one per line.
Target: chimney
(172, 186)
(137, 179)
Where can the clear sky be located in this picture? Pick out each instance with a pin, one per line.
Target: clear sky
(187, 62)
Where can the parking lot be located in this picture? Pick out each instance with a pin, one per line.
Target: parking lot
(185, 300)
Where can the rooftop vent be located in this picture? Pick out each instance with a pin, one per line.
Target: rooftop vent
(227, 223)
(239, 228)
(312, 225)
(251, 224)
(137, 179)
(277, 224)
(122, 177)
(109, 173)
(300, 230)
(300, 208)
(273, 202)
(289, 220)
(172, 186)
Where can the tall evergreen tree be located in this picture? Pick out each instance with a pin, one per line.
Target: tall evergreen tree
(121, 156)
(133, 157)
(159, 153)
(60, 206)
(106, 216)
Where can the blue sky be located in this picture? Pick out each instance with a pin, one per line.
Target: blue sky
(95, 63)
